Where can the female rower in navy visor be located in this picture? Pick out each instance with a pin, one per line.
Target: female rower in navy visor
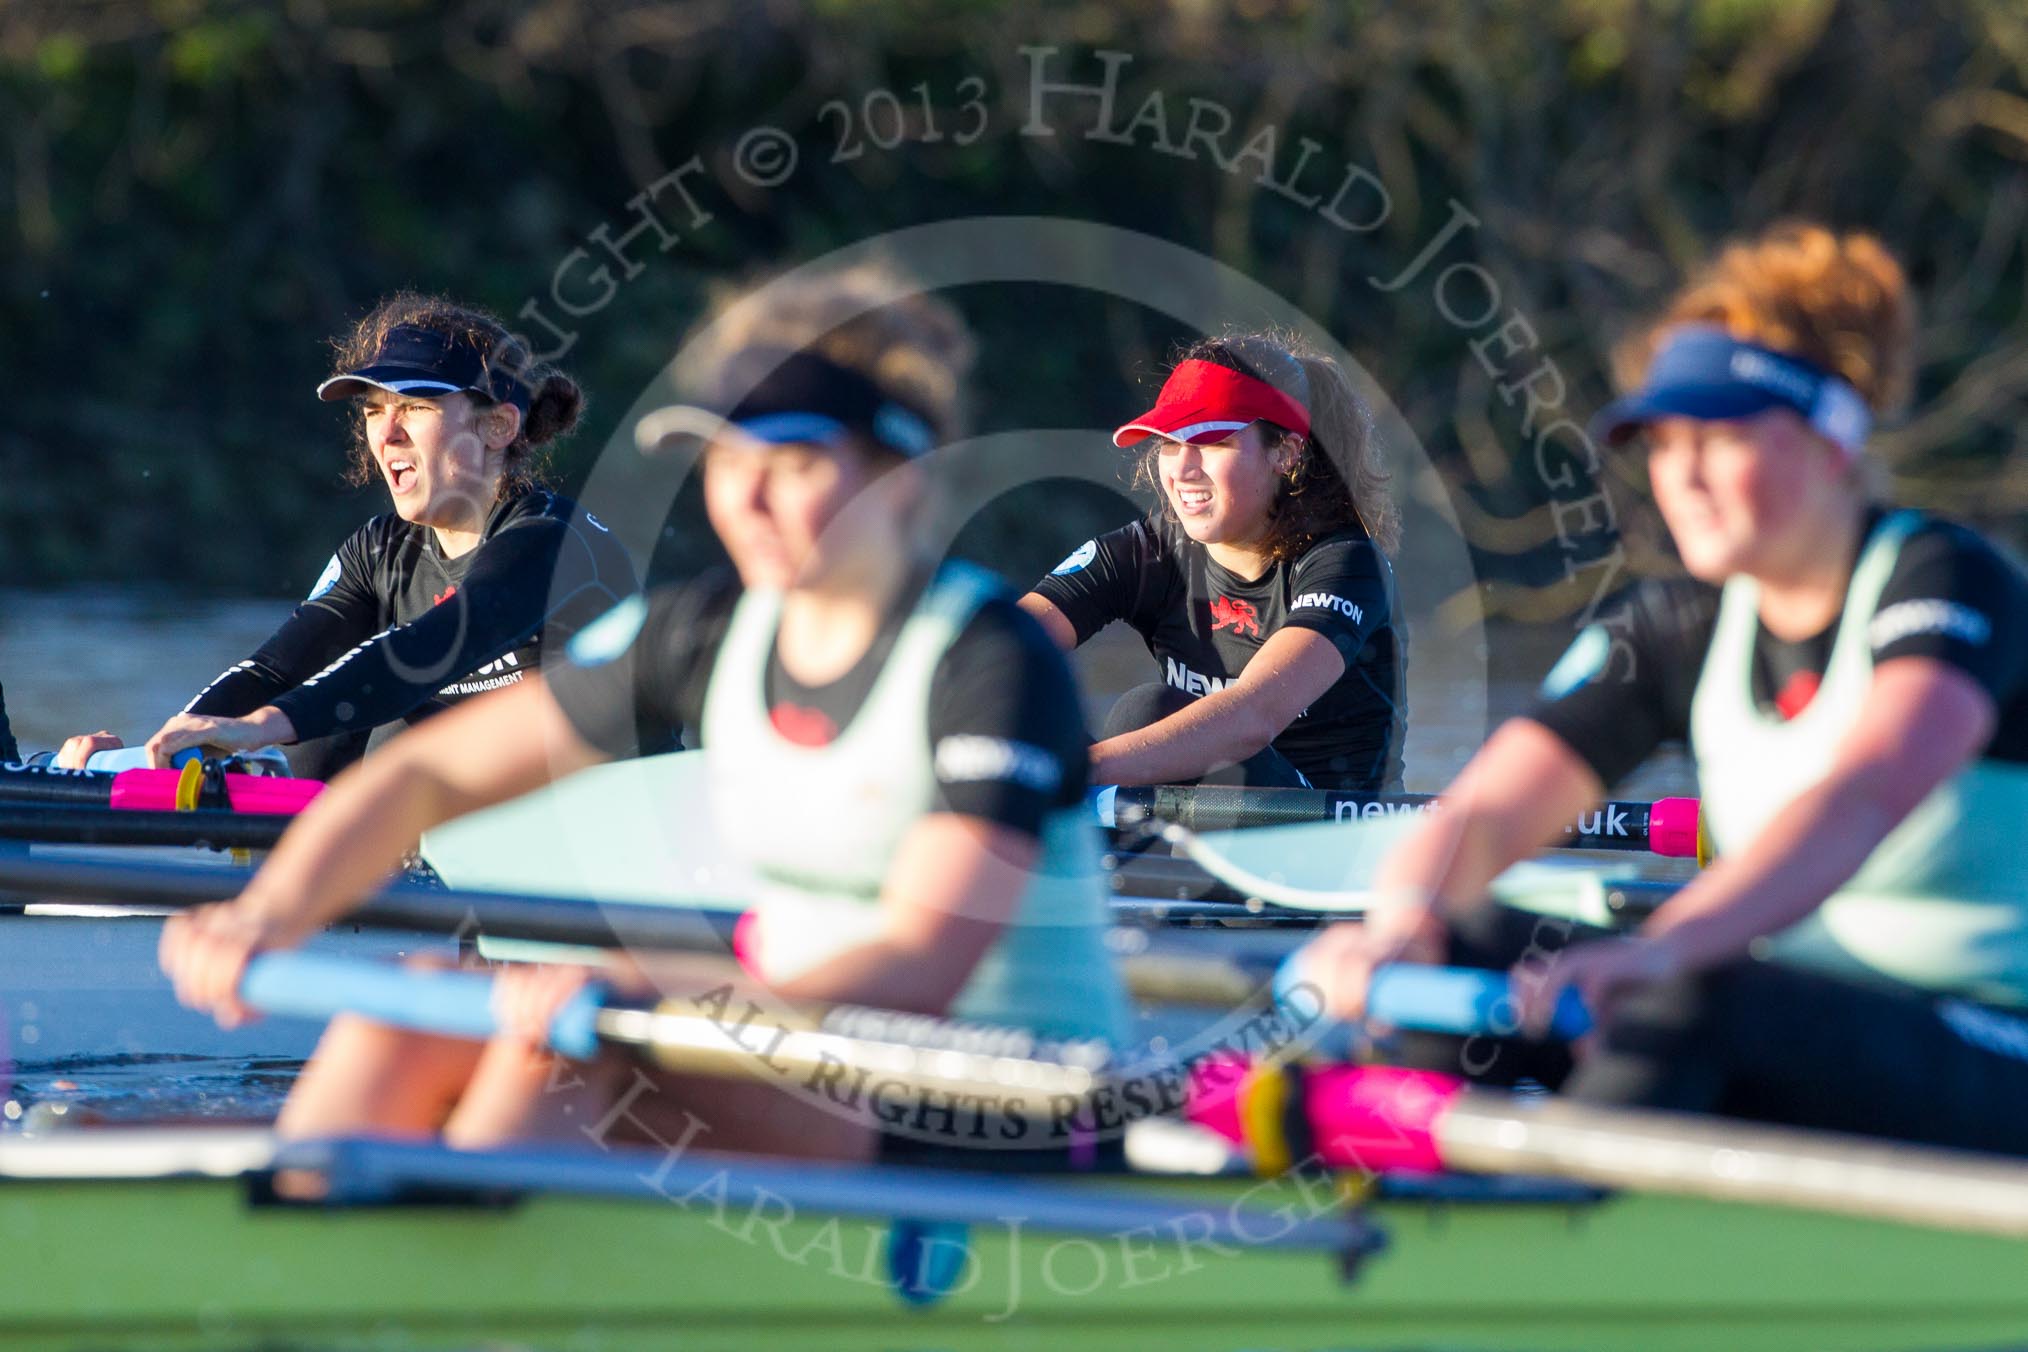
(891, 748)
(453, 592)
(1261, 583)
(1853, 683)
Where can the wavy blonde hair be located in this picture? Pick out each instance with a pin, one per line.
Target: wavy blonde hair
(869, 318)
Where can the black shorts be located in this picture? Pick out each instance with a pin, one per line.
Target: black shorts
(1762, 1041)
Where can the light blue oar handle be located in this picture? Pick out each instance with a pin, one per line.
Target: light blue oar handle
(1461, 1000)
(456, 1004)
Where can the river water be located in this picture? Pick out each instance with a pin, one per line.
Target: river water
(83, 1014)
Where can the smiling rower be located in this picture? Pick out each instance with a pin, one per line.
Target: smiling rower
(1261, 583)
(451, 594)
(1853, 682)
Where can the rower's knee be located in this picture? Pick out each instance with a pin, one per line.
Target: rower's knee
(358, 1040)
(522, 1092)
(1141, 706)
(368, 1076)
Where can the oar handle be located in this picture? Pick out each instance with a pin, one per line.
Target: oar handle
(1374, 1118)
(96, 824)
(197, 785)
(709, 1034)
(456, 1004)
(188, 788)
(1461, 1000)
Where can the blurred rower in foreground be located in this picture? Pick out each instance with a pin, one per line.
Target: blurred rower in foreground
(892, 746)
(449, 595)
(1260, 582)
(1853, 682)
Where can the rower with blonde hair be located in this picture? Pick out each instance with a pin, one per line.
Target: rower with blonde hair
(1852, 680)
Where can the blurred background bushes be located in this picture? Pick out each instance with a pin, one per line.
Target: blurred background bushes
(195, 194)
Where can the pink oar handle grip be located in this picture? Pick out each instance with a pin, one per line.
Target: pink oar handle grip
(746, 942)
(1377, 1118)
(271, 794)
(1672, 827)
(155, 791)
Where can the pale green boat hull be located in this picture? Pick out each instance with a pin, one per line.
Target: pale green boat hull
(189, 1263)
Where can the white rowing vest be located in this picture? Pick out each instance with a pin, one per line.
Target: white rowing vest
(819, 826)
(1942, 902)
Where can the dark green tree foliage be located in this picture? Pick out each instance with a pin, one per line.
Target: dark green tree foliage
(194, 194)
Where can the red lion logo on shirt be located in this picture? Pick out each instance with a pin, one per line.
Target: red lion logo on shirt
(1238, 616)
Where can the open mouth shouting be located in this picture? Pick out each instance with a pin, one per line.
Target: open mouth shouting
(401, 475)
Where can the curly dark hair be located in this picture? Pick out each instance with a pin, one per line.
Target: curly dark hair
(555, 401)
(1337, 479)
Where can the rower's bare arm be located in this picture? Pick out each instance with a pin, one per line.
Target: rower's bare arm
(1291, 671)
(482, 752)
(1923, 720)
(1514, 797)
(1053, 621)
(953, 885)
(354, 833)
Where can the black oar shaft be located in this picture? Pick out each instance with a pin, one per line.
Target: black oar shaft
(558, 920)
(1166, 878)
(87, 824)
(400, 905)
(1208, 807)
(46, 784)
(1150, 876)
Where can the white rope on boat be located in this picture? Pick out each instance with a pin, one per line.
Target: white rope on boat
(1351, 903)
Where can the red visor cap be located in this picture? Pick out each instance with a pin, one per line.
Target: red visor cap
(1205, 402)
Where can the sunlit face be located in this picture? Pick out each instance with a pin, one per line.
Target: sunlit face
(437, 454)
(789, 514)
(1742, 496)
(1222, 493)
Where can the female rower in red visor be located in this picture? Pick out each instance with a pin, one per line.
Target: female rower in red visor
(1261, 582)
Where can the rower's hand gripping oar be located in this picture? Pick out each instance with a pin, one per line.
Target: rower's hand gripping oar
(1462, 1001)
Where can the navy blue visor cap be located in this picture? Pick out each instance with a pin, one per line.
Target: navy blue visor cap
(416, 360)
(1702, 372)
(780, 397)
